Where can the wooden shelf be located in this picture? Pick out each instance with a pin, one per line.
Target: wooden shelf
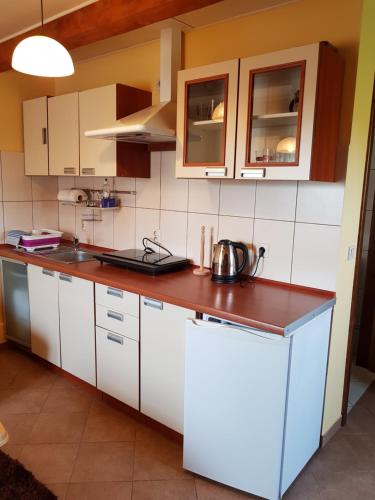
(275, 120)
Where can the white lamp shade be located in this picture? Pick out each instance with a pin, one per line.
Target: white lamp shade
(42, 56)
(287, 145)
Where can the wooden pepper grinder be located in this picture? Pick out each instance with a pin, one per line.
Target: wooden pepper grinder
(201, 271)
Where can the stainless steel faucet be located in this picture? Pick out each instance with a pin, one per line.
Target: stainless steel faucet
(75, 243)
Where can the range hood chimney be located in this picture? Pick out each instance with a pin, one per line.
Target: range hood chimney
(156, 123)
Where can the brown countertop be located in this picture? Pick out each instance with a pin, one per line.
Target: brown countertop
(263, 304)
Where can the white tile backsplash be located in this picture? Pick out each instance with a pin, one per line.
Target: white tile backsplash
(236, 229)
(16, 185)
(146, 222)
(125, 184)
(67, 220)
(84, 229)
(103, 231)
(276, 200)
(44, 188)
(124, 228)
(174, 192)
(45, 214)
(18, 215)
(315, 256)
(2, 235)
(204, 196)
(195, 221)
(277, 237)
(173, 231)
(320, 202)
(148, 190)
(237, 198)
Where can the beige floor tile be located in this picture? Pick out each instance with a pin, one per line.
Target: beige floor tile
(109, 426)
(19, 426)
(210, 490)
(157, 459)
(59, 489)
(14, 401)
(175, 489)
(305, 487)
(34, 378)
(58, 428)
(70, 400)
(355, 486)
(97, 462)
(360, 421)
(51, 463)
(100, 491)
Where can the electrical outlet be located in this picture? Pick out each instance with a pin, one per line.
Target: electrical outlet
(156, 235)
(267, 249)
(351, 252)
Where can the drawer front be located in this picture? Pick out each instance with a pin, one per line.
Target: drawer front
(117, 299)
(117, 321)
(118, 366)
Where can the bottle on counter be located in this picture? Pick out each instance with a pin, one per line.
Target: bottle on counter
(106, 194)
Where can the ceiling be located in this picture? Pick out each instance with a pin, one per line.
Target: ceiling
(18, 16)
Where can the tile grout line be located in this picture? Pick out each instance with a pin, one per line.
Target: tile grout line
(294, 235)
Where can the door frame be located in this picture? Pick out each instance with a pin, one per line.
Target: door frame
(355, 292)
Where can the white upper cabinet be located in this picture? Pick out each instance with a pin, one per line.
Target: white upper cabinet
(99, 108)
(63, 131)
(35, 137)
(206, 120)
(288, 114)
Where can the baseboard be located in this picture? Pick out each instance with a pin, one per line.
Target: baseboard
(330, 433)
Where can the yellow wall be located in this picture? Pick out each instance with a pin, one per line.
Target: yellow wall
(302, 22)
(14, 88)
(351, 212)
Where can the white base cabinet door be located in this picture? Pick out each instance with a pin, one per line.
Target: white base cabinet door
(118, 366)
(163, 361)
(44, 313)
(77, 327)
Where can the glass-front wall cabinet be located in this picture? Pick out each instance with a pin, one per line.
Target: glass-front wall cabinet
(274, 117)
(206, 120)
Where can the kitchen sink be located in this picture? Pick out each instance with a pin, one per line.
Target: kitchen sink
(68, 256)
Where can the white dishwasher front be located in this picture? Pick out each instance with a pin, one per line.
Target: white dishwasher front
(235, 398)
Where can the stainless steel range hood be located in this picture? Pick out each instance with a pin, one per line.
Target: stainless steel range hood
(156, 123)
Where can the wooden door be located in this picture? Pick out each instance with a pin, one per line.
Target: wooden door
(44, 313)
(35, 126)
(63, 131)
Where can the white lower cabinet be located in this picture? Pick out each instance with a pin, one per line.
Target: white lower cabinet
(118, 366)
(163, 361)
(62, 321)
(77, 327)
(44, 313)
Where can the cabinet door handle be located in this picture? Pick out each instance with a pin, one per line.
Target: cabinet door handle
(69, 170)
(48, 272)
(115, 315)
(44, 136)
(115, 292)
(156, 304)
(88, 171)
(66, 277)
(115, 338)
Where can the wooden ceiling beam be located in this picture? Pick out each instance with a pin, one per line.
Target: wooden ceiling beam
(101, 20)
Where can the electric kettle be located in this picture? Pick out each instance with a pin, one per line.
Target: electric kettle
(225, 266)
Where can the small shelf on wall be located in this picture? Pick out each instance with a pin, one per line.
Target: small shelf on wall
(209, 125)
(275, 120)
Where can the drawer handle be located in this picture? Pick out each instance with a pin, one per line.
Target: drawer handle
(115, 292)
(115, 315)
(69, 170)
(115, 338)
(156, 304)
(48, 272)
(66, 277)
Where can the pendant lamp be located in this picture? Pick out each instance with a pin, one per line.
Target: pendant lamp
(42, 56)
